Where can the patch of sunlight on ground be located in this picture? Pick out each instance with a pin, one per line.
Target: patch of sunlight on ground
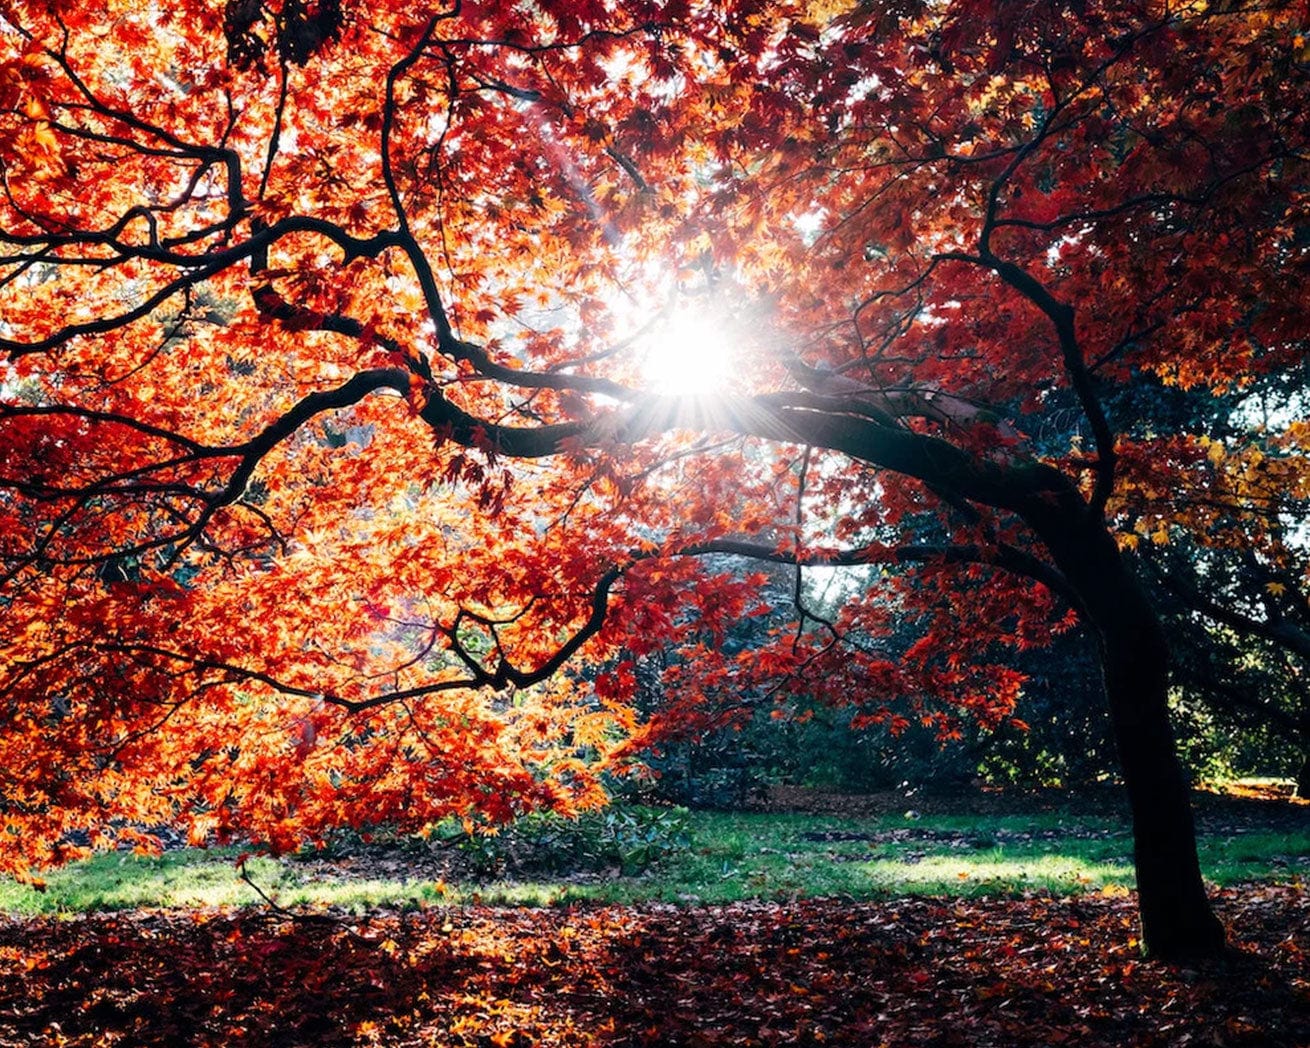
(956, 873)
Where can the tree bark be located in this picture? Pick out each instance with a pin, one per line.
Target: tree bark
(1176, 919)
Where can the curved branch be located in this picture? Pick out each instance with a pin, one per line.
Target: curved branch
(504, 675)
(201, 268)
(1061, 316)
(109, 417)
(1030, 488)
(417, 259)
(1278, 631)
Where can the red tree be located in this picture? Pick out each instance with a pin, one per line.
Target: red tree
(354, 390)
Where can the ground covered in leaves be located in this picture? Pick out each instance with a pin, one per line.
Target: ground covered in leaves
(916, 971)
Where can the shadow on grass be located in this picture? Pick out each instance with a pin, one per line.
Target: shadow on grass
(919, 971)
(731, 858)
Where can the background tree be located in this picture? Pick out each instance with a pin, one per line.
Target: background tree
(1231, 576)
(314, 547)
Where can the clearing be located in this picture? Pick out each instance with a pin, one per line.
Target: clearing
(865, 923)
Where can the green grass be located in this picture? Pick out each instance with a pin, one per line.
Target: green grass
(731, 857)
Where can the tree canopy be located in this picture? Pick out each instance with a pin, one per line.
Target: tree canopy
(372, 368)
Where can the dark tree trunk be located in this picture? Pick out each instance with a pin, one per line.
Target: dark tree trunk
(1303, 777)
(1177, 921)
(1176, 917)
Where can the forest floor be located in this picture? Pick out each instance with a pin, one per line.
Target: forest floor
(910, 971)
(1019, 967)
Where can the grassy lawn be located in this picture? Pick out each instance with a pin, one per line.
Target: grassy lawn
(727, 858)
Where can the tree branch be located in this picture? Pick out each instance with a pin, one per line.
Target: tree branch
(1003, 555)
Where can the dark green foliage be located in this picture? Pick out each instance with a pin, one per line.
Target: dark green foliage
(622, 838)
(1067, 742)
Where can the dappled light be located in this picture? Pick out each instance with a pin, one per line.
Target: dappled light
(433, 415)
(899, 972)
(946, 872)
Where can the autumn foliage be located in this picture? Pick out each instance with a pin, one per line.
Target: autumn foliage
(898, 973)
(343, 476)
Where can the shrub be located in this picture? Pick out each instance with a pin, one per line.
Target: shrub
(626, 838)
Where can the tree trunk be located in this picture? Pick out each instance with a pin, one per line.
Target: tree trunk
(1303, 777)
(1177, 921)
(1176, 917)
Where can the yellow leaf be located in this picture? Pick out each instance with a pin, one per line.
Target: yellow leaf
(45, 138)
(1276, 588)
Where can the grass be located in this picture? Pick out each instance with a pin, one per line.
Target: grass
(731, 857)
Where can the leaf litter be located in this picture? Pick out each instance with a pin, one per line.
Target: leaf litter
(1035, 970)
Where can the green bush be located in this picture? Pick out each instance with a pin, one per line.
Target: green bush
(626, 838)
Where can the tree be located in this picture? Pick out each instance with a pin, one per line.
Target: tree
(349, 344)
(1244, 681)
(1235, 598)
(1226, 558)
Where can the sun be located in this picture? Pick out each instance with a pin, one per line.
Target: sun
(689, 354)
